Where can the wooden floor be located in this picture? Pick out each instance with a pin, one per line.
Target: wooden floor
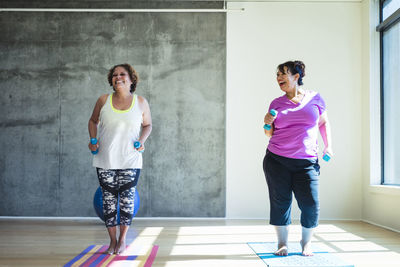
(40, 242)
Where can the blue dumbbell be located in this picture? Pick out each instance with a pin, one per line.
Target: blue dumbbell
(93, 141)
(273, 112)
(327, 157)
(137, 144)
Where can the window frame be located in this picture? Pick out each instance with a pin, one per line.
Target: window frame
(383, 26)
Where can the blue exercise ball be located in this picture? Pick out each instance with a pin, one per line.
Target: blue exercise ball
(98, 204)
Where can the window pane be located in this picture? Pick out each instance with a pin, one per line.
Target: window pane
(389, 7)
(391, 93)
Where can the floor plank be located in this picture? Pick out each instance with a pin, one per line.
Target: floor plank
(203, 242)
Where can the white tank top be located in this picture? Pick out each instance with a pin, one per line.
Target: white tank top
(117, 131)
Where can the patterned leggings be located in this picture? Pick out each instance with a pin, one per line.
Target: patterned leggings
(114, 183)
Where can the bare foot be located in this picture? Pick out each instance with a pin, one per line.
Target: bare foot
(111, 247)
(306, 249)
(282, 250)
(120, 247)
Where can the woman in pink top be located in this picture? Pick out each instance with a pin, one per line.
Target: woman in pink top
(291, 161)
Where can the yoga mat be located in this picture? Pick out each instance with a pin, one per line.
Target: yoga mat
(94, 256)
(321, 258)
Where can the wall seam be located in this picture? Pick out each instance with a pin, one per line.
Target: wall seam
(58, 195)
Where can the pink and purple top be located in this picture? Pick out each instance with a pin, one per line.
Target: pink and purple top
(296, 126)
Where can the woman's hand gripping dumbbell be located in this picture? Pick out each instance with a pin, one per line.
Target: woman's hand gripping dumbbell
(269, 119)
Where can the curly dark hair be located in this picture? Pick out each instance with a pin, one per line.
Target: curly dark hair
(133, 75)
(294, 67)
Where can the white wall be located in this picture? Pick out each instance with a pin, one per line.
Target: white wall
(327, 37)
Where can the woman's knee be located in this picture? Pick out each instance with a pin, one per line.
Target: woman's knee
(310, 215)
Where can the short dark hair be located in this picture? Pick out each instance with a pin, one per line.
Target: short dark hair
(294, 67)
(133, 75)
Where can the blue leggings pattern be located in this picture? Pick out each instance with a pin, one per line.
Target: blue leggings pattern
(116, 183)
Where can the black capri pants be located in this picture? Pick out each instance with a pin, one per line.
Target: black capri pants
(287, 175)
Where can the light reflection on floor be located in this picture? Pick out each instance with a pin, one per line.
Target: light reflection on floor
(226, 245)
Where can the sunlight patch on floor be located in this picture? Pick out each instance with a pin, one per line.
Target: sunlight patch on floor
(210, 250)
(338, 237)
(358, 246)
(372, 259)
(224, 229)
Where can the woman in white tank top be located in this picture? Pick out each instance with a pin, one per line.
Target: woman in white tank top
(118, 121)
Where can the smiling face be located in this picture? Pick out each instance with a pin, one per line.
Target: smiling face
(121, 79)
(287, 82)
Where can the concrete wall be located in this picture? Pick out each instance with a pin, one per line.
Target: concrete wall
(53, 67)
(152, 4)
(327, 36)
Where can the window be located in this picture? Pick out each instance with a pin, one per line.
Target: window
(389, 29)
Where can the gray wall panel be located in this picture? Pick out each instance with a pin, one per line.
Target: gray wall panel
(53, 67)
